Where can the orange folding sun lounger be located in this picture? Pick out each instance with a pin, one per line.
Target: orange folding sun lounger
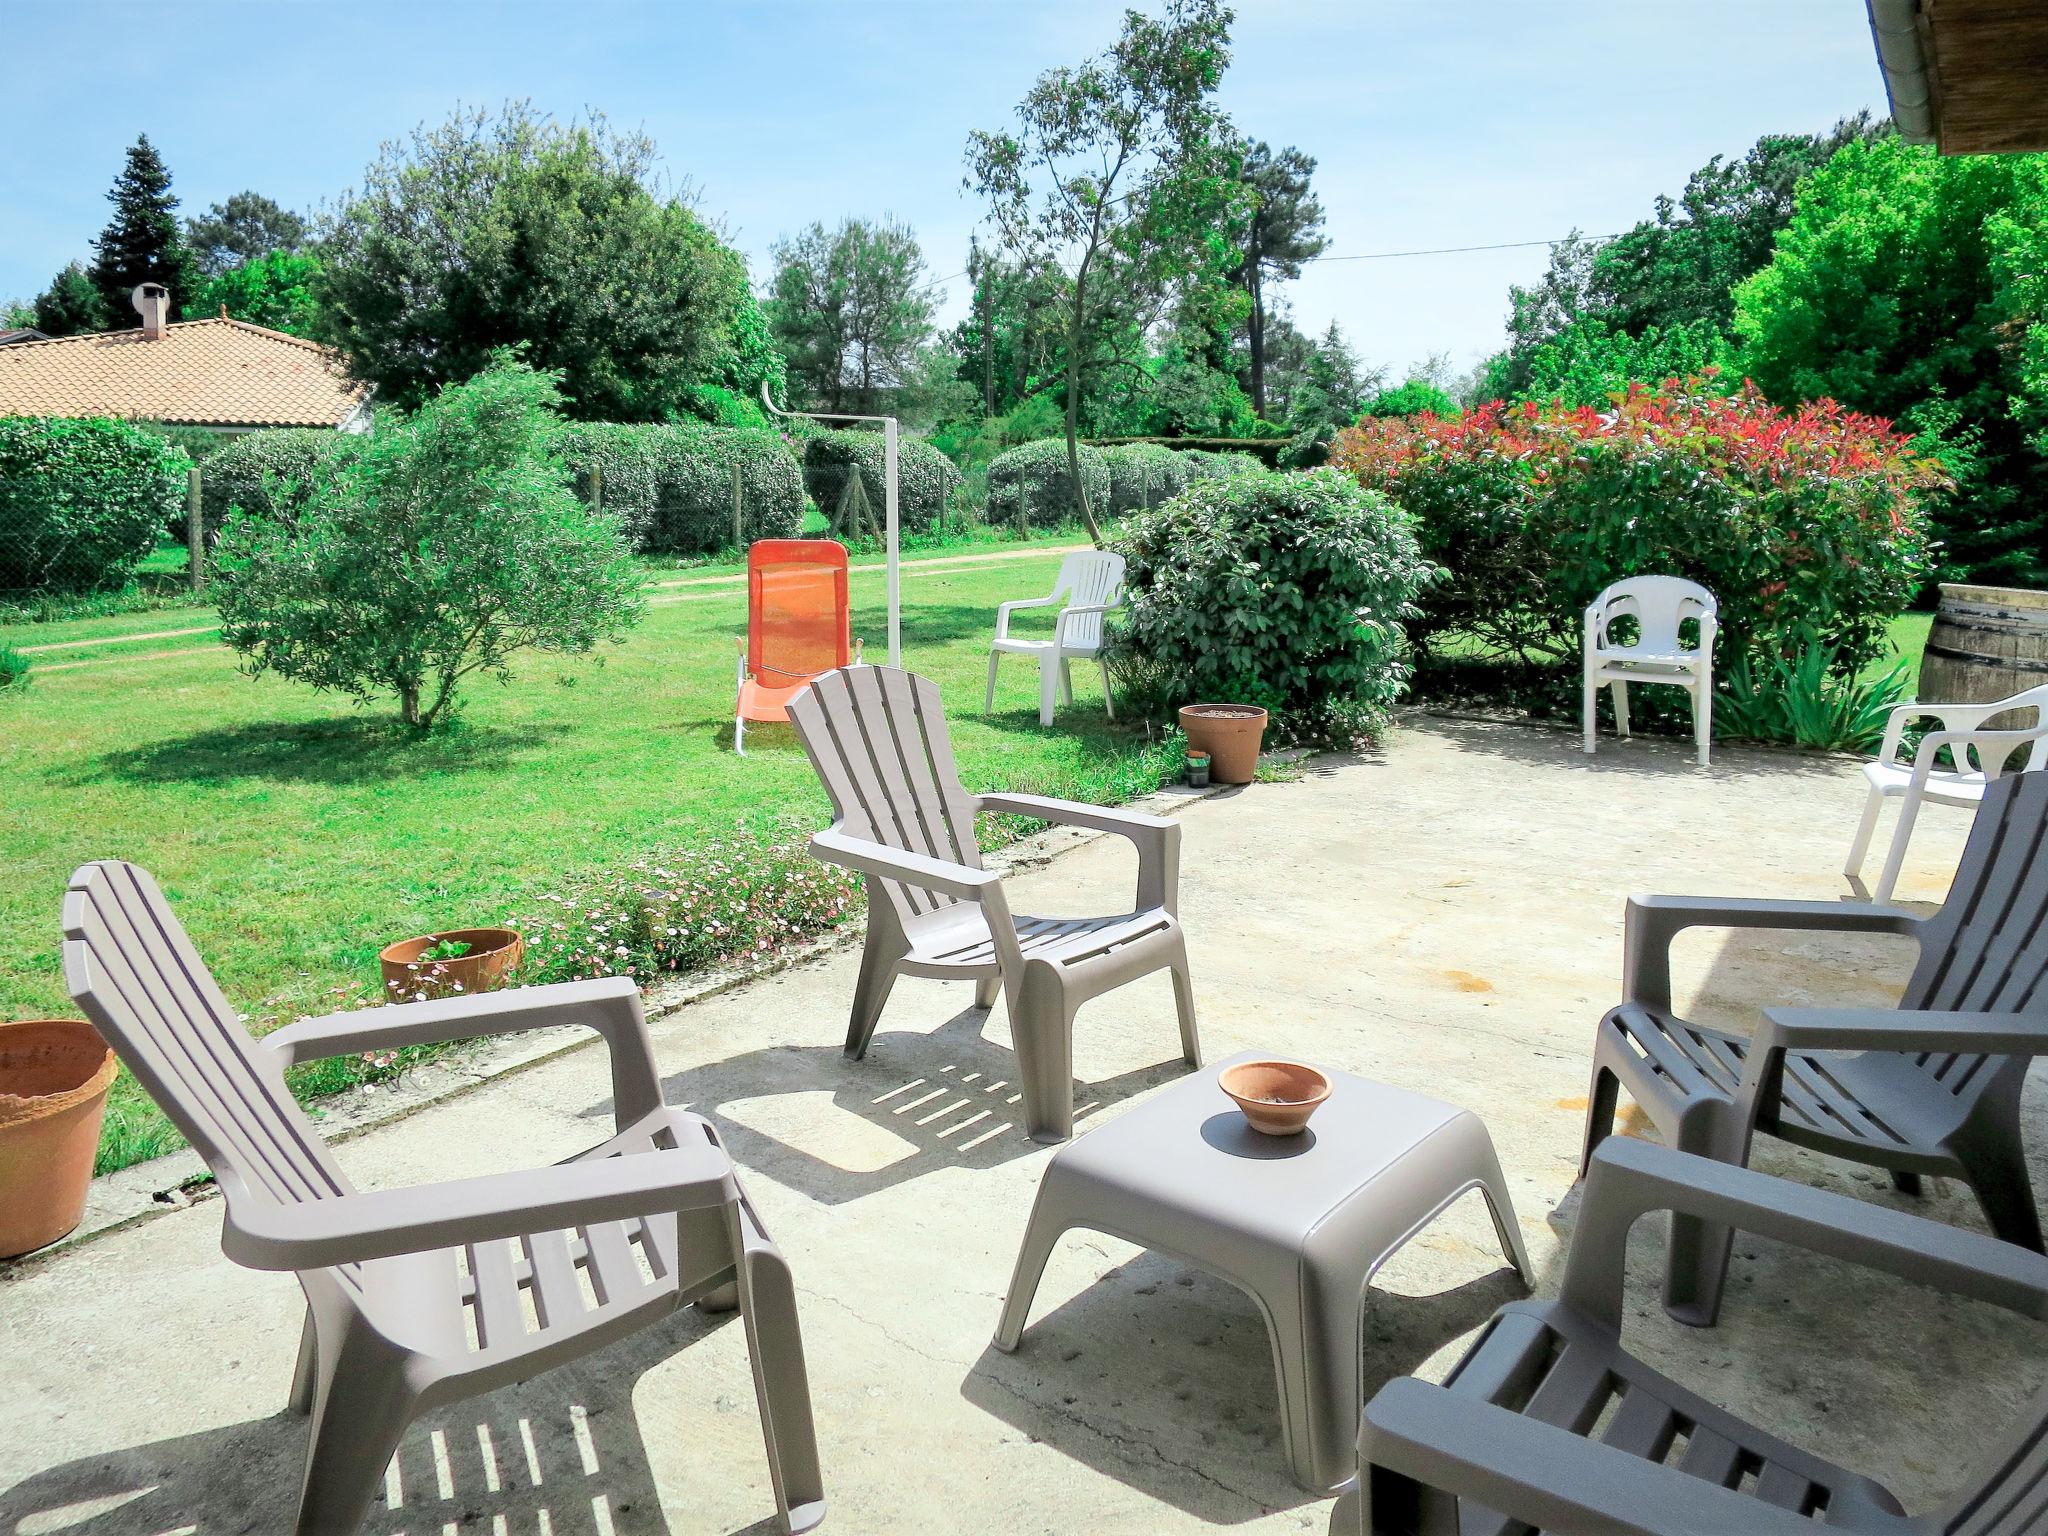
(798, 618)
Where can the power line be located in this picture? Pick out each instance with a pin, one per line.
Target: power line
(1458, 250)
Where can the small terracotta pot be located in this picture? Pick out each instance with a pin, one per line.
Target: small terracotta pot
(54, 1076)
(493, 952)
(1277, 1097)
(1230, 734)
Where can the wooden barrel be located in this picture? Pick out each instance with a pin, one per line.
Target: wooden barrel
(1986, 643)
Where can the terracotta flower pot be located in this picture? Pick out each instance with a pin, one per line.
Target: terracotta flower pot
(54, 1076)
(491, 955)
(1230, 734)
(1277, 1097)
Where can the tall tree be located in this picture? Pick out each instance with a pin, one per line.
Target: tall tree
(142, 243)
(246, 226)
(850, 309)
(1286, 229)
(514, 230)
(72, 306)
(273, 290)
(1331, 393)
(1118, 174)
(1010, 344)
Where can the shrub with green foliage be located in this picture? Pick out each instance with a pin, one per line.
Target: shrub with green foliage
(1030, 487)
(270, 474)
(1806, 525)
(1410, 399)
(1143, 475)
(1287, 590)
(671, 486)
(451, 544)
(81, 501)
(1206, 465)
(925, 478)
(1808, 698)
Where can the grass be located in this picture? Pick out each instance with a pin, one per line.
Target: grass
(297, 834)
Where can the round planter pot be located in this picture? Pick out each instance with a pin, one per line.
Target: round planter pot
(1230, 734)
(54, 1076)
(492, 954)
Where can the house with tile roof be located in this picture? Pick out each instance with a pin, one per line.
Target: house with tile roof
(224, 375)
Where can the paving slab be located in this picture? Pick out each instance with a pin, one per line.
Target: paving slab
(1443, 914)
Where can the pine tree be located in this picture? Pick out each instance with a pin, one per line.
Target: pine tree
(142, 243)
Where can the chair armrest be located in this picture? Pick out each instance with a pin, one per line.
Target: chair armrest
(1654, 921)
(1544, 1476)
(1004, 610)
(1079, 610)
(918, 869)
(1991, 749)
(347, 1229)
(609, 1005)
(1899, 1029)
(1630, 1179)
(1157, 838)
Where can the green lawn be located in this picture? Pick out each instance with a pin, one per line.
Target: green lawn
(298, 833)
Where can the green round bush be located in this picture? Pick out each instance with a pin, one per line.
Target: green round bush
(270, 474)
(924, 476)
(1030, 487)
(1205, 465)
(1143, 475)
(671, 486)
(1282, 590)
(81, 501)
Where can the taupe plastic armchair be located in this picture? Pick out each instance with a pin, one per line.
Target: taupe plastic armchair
(421, 1296)
(877, 737)
(1520, 1434)
(1932, 1086)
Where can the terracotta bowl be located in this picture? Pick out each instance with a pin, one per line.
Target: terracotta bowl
(1277, 1097)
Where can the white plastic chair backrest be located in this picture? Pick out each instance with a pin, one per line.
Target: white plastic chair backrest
(1659, 605)
(135, 975)
(2030, 706)
(1092, 578)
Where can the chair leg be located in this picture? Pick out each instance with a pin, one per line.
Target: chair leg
(986, 990)
(1601, 1101)
(1592, 712)
(1048, 687)
(1067, 682)
(1042, 1033)
(360, 1416)
(1696, 1266)
(1996, 1171)
(782, 1393)
(739, 736)
(1703, 718)
(1859, 850)
(1895, 856)
(1184, 1005)
(988, 700)
(306, 1373)
(1620, 692)
(1108, 703)
(877, 979)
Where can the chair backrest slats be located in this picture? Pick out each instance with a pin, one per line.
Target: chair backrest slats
(1090, 578)
(1987, 948)
(134, 972)
(1659, 605)
(877, 737)
(2012, 1500)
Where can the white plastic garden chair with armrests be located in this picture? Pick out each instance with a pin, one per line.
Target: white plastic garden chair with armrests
(1090, 584)
(1660, 605)
(1977, 756)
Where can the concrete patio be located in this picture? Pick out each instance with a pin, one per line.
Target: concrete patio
(1444, 915)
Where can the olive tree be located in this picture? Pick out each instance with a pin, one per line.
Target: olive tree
(452, 543)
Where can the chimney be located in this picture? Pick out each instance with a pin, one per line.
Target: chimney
(152, 301)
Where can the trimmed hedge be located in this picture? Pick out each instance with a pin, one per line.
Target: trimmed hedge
(924, 476)
(1143, 475)
(270, 474)
(1285, 590)
(1204, 465)
(1030, 487)
(81, 501)
(671, 486)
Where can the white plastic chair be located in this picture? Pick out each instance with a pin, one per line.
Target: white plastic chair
(1977, 756)
(1659, 605)
(1090, 584)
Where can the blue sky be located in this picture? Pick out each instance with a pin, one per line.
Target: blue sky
(1436, 122)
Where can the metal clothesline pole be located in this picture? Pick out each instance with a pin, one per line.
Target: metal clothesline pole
(890, 429)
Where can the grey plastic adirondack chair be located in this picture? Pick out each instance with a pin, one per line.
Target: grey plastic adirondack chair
(1932, 1086)
(421, 1296)
(877, 737)
(1520, 1436)
(1090, 584)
